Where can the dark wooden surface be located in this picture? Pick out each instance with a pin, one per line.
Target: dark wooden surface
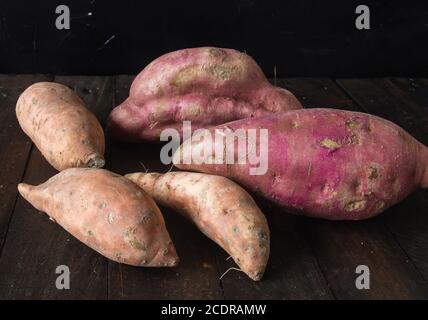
(310, 259)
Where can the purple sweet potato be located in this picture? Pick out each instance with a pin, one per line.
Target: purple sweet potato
(63, 129)
(325, 163)
(107, 212)
(220, 208)
(208, 86)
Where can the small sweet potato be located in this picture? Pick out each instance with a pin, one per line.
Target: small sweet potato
(325, 163)
(208, 86)
(60, 125)
(107, 212)
(220, 208)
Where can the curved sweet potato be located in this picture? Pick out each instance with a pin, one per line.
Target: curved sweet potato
(220, 208)
(108, 213)
(208, 86)
(60, 125)
(326, 163)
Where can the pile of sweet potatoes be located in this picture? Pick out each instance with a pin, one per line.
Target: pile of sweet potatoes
(325, 163)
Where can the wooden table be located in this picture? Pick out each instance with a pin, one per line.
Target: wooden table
(310, 259)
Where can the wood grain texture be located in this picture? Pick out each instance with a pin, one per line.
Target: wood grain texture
(15, 146)
(35, 246)
(413, 94)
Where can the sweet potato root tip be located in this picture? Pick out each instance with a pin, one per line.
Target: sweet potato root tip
(96, 161)
(25, 189)
(256, 276)
(164, 258)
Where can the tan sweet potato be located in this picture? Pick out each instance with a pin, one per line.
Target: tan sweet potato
(60, 125)
(220, 208)
(107, 212)
(208, 86)
(325, 163)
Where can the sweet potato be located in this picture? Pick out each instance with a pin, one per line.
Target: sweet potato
(107, 212)
(325, 163)
(60, 125)
(220, 208)
(208, 86)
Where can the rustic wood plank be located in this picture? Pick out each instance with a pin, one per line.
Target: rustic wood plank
(413, 91)
(35, 246)
(341, 246)
(14, 144)
(318, 93)
(390, 99)
(197, 275)
(377, 96)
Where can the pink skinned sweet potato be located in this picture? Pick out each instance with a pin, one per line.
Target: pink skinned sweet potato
(63, 129)
(208, 86)
(326, 163)
(108, 213)
(220, 208)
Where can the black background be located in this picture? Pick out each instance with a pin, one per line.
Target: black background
(299, 38)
